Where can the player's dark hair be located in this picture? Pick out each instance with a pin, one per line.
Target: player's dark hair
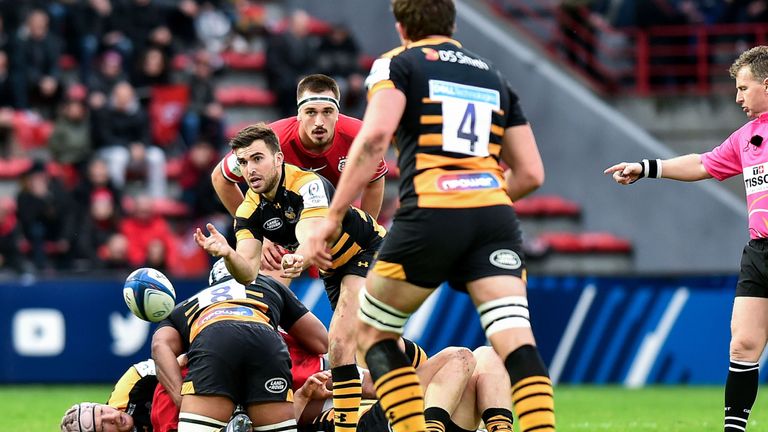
(422, 18)
(256, 132)
(317, 83)
(757, 60)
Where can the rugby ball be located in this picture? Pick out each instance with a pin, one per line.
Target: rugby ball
(149, 294)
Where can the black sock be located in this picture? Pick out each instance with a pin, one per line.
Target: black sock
(397, 386)
(497, 420)
(437, 419)
(532, 395)
(740, 394)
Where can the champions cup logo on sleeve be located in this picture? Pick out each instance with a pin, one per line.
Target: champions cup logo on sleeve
(463, 182)
(314, 195)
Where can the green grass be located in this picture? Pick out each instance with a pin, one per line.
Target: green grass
(669, 409)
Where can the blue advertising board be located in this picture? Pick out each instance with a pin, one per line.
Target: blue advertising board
(624, 330)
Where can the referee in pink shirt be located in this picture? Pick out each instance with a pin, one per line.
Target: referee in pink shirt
(740, 153)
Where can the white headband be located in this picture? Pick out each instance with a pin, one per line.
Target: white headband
(308, 99)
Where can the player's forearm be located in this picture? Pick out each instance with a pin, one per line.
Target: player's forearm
(243, 270)
(373, 195)
(520, 184)
(229, 193)
(684, 168)
(364, 156)
(168, 370)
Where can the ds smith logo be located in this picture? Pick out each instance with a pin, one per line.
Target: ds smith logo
(459, 57)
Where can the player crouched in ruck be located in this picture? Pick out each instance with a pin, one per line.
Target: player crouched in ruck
(236, 355)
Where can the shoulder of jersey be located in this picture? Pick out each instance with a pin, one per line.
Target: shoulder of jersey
(348, 126)
(393, 52)
(296, 176)
(284, 126)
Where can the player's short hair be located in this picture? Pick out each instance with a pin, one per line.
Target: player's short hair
(422, 18)
(757, 60)
(219, 273)
(317, 83)
(256, 132)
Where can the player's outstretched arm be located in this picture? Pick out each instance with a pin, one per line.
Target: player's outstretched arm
(684, 168)
(166, 347)
(243, 262)
(310, 332)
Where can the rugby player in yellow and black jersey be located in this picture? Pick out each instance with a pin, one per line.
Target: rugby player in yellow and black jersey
(453, 117)
(235, 353)
(283, 204)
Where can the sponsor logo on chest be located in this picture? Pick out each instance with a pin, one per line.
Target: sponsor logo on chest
(273, 224)
(756, 178)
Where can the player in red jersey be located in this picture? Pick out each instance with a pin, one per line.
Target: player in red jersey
(318, 139)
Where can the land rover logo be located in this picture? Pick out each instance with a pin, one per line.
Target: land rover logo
(506, 259)
(276, 385)
(273, 224)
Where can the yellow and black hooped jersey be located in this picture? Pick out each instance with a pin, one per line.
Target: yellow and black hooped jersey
(133, 394)
(265, 301)
(449, 137)
(303, 194)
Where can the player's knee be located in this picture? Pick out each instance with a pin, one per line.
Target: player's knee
(746, 348)
(199, 423)
(380, 316)
(504, 313)
(462, 358)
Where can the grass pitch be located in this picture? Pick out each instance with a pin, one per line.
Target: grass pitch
(579, 409)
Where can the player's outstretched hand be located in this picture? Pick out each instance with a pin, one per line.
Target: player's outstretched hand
(315, 386)
(215, 244)
(292, 265)
(625, 173)
(324, 234)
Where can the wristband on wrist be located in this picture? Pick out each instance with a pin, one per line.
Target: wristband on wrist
(650, 168)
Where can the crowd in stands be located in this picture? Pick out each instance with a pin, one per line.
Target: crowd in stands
(119, 98)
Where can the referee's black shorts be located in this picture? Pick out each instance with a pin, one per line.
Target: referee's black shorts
(753, 275)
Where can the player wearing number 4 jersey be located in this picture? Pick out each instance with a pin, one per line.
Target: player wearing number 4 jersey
(453, 117)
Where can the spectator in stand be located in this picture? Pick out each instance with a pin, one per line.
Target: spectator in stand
(142, 22)
(103, 81)
(195, 181)
(100, 244)
(745, 11)
(96, 178)
(46, 216)
(213, 28)
(6, 111)
(338, 56)
(70, 142)
(181, 22)
(123, 128)
(151, 239)
(35, 65)
(153, 71)
(290, 55)
(10, 256)
(86, 25)
(205, 117)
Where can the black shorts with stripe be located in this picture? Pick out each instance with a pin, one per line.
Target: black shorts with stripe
(427, 246)
(358, 265)
(244, 361)
(753, 275)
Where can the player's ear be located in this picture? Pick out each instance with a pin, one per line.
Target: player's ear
(279, 158)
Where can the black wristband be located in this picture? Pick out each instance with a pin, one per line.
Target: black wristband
(650, 168)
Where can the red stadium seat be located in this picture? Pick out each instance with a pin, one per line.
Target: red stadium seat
(589, 242)
(547, 206)
(30, 130)
(173, 168)
(165, 207)
(13, 168)
(245, 96)
(67, 62)
(248, 61)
